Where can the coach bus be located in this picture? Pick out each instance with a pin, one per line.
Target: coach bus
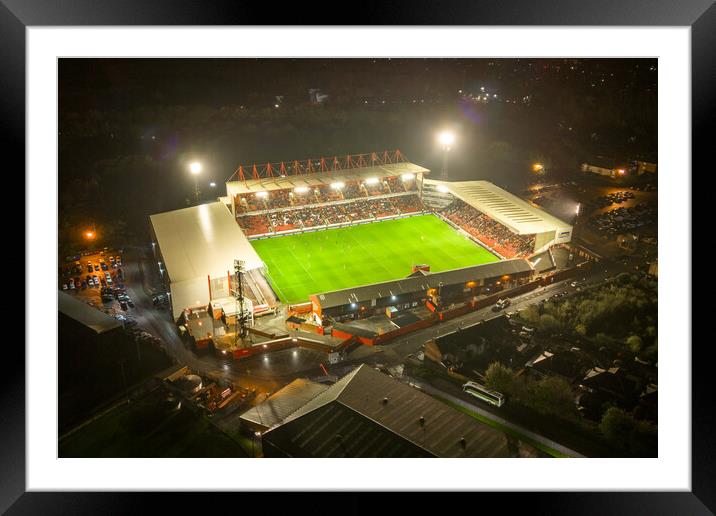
(483, 393)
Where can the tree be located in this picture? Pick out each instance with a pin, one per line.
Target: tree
(617, 425)
(499, 378)
(634, 342)
(548, 323)
(552, 395)
(624, 431)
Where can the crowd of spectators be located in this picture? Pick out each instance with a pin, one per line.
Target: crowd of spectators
(489, 231)
(362, 209)
(277, 199)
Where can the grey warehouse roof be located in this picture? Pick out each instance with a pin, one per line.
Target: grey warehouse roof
(283, 403)
(85, 314)
(201, 240)
(369, 414)
(422, 283)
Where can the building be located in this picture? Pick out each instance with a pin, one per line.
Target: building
(280, 405)
(439, 287)
(644, 166)
(78, 318)
(471, 350)
(195, 250)
(517, 215)
(602, 168)
(370, 414)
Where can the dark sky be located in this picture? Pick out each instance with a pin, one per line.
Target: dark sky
(128, 126)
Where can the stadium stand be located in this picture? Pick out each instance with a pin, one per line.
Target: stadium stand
(286, 198)
(356, 209)
(488, 231)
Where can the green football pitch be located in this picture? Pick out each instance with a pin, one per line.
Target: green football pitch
(334, 259)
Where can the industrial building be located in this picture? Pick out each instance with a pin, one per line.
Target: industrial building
(76, 318)
(370, 414)
(195, 250)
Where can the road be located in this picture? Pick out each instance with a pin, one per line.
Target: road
(138, 283)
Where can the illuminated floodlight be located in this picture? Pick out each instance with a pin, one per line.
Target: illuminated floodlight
(262, 195)
(372, 181)
(621, 171)
(337, 185)
(408, 177)
(195, 167)
(446, 138)
(443, 189)
(537, 167)
(212, 184)
(301, 189)
(578, 207)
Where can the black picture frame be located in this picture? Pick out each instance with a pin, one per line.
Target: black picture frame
(17, 15)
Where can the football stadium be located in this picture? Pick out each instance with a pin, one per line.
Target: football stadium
(348, 237)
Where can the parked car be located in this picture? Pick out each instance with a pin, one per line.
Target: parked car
(118, 260)
(64, 286)
(123, 305)
(501, 304)
(72, 284)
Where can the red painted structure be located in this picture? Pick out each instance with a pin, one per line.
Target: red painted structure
(310, 166)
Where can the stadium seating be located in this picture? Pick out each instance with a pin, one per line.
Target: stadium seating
(488, 231)
(277, 199)
(342, 213)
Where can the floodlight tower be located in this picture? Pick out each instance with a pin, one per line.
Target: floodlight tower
(446, 140)
(241, 329)
(195, 169)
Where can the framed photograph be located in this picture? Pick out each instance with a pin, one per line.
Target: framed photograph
(294, 257)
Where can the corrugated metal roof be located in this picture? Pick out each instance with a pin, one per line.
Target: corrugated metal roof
(201, 240)
(354, 408)
(422, 283)
(321, 178)
(283, 403)
(504, 207)
(85, 314)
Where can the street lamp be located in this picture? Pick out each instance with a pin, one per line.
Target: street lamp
(446, 140)
(195, 169)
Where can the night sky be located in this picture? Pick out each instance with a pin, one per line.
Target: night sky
(129, 126)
